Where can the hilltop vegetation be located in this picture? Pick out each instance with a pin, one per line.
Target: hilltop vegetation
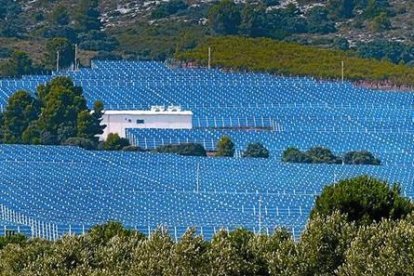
(287, 58)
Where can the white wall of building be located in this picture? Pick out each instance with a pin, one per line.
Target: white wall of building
(117, 121)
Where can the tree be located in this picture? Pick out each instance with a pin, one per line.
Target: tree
(22, 108)
(319, 22)
(364, 200)
(322, 155)
(80, 142)
(256, 150)
(60, 16)
(62, 104)
(18, 64)
(225, 147)
(114, 142)
(381, 249)
(361, 157)
(87, 16)
(381, 22)
(294, 155)
(66, 53)
(224, 17)
(324, 242)
(341, 8)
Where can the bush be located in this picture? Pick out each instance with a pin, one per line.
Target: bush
(225, 147)
(114, 142)
(131, 148)
(294, 155)
(323, 155)
(363, 199)
(256, 150)
(80, 142)
(189, 149)
(361, 157)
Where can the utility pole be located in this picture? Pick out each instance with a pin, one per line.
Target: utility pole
(198, 178)
(57, 61)
(76, 58)
(260, 214)
(209, 57)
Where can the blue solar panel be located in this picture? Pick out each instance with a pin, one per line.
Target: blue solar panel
(56, 190)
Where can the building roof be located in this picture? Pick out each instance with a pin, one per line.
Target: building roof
(146, 112)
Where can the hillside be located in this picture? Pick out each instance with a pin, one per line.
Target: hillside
(107, 29)
(287, 58)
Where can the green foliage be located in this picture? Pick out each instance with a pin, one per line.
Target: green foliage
(292, 59)
(381, 249)
(22, 108)
(59, 16)
(395, 52)
(225, 147)
(80, 142)
(294, 155)
(224, 17)
(316, 155)
(114, 142)
(323, 155)
(324, 243)
(66, 53)
(87, 16)
(319, 21)
(13, 239)
(17, 65)
(364, 200)
(361, 157)
(380, 22)
(256, 150)
(57, 115)
(165, 9)
(189, 149)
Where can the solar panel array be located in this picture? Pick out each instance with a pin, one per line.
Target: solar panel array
(57, 190)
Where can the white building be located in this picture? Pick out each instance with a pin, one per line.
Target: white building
(117, 121)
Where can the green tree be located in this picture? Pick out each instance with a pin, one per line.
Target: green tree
(294, 155)
(256, 150)
(380, 22)
(66, 53)
(22, 108)
(18, 64)
(224, 17)
(62, 104)
(322, 155)
(364, 200)
(87, 16)
(225, 147)
(189, 255)
(114, 142)
(341, 8)
(381, 249)
(59, 16)
(324, 242)
(361, 157)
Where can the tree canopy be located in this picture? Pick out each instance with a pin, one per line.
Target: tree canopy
(189, 149)
(225, 147)
(364, 200)
(256, 150)
(55, 114)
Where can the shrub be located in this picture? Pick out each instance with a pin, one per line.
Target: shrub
(189, 149)
(294, 155)
(361, 157)
(225, 147)
(256, 150)
(80, 142)
(114, 142)
(323, 155)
